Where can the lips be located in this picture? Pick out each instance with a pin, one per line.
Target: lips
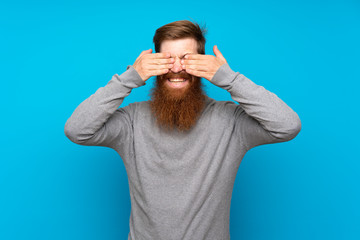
(175, 80)
(177, 83)
(177, 77)
(179, 80)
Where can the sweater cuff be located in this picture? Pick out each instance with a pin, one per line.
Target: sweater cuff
(130, 78)
(224, 77)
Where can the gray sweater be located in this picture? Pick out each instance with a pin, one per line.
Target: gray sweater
(181, 183)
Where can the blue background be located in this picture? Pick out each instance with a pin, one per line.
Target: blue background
(56, 54)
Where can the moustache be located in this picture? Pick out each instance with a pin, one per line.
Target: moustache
(182, 74)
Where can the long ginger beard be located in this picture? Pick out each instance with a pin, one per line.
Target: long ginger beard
(177, 108)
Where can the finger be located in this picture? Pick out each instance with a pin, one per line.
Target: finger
(160, 55)
(194, 62)
(145, 52)
(218, 53)
(161, 61)
(196, 56)
(201, 74)
(158, 72)
(195, 72)
(203, 68)
(157, 67)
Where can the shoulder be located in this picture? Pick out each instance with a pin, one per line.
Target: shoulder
(220, 116)
(225, 109)
(133, 109)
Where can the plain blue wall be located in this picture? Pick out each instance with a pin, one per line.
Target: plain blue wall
(56, 54)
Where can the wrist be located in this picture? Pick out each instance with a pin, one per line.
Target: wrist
(224, 76)
(132, 77)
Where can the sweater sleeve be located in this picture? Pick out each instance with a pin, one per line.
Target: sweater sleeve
(97, 120)
(261, 116)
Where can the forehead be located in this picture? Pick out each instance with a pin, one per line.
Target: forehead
(179, 47)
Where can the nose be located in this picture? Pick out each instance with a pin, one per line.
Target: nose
(177, 67)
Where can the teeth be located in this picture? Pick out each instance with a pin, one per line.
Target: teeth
(177, 80)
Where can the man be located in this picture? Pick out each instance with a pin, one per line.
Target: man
(181, 149)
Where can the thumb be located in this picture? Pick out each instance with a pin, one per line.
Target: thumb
(146, 52)
(218, 53)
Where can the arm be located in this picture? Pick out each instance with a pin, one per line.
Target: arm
(262, 117)
(96, 121)
(91, 122)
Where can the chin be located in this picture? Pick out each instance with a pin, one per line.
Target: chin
(177, 93)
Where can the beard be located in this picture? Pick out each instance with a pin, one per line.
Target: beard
(177, 108)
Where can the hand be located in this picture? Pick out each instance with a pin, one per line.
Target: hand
(148, 65)
(204, 66)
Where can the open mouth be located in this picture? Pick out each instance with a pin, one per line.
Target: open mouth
(176, 80)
